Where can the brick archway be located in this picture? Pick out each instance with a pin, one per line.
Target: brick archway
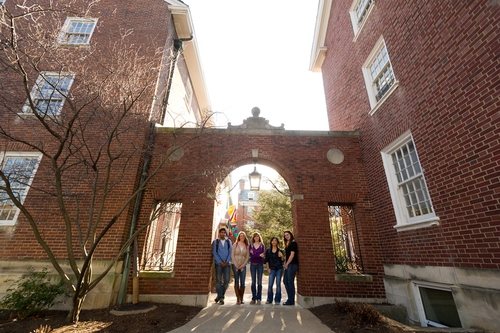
(316, 179)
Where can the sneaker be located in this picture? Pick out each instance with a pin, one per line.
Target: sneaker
(258, 302)
(221, 302)
(277, 303)
(252, 302)
(267, 302)
(216, 300)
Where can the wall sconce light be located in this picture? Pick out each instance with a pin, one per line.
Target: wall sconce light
(254, 177)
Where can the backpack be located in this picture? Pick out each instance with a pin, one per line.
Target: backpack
(217, 244)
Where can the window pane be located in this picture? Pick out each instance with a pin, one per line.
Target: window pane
(439, 307)
(19, 171)
(411, 181)
(79, 32)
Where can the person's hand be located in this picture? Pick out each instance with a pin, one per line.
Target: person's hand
(280, 254)
(262, 255)
(223, 263)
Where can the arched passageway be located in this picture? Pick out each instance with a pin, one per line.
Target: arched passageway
(323, 169)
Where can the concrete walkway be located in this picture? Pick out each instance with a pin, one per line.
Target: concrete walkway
(248, 318)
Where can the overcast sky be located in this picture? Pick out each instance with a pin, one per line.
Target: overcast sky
(256, 53)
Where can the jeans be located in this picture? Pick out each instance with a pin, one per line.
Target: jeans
(221, 273)
(256, 272)
(239, 276)
(289, 282)
(275, 274)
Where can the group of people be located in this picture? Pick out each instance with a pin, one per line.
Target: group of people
(277, 261)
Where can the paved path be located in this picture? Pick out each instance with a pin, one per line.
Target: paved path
(246, 318)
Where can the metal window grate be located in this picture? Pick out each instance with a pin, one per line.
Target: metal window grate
(161, 242)
(346, 248)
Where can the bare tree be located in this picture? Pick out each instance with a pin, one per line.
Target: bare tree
(90, 118)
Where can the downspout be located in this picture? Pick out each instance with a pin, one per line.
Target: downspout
(138, 202)
(135, 215)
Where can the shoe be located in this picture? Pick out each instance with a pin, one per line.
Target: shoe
(216, 300)
(267, 302)
(258, 302)
(288, 303)
(221, 302)
(277, 303)
(252, 302)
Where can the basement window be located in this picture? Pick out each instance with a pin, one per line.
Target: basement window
(436, 306)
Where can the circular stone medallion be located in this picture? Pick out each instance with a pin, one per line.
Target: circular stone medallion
(335, 156)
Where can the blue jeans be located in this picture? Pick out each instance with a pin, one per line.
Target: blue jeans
(239, 276)
(256, 272)
(289, 282)
(275, 274)
(222, 275)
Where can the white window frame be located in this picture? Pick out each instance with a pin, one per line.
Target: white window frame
(403, 220)
(415, 285)
(251, 196)
(51, 95)
(25, 188)
(67, 32)
(371, 83)
(359, 22)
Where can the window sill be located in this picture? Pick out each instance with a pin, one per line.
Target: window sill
(431, 222)
(353, 278)
(32, 115)
(6, 226)
(386, 96)
(157, 274)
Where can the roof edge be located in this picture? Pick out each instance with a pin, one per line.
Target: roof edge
(318, 51)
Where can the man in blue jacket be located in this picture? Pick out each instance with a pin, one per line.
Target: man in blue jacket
(221, 250)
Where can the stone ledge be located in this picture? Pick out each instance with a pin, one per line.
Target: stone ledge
(157, 274)
(353, 278)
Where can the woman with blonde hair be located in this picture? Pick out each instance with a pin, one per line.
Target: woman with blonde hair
(257, 254)
(240, 257)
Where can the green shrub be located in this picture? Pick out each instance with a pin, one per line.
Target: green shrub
(32, 293)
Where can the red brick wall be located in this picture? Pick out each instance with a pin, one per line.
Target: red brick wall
(301, 160)
(445, 55)
(149, 26)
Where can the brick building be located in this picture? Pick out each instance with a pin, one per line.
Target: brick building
(400, 78)
(420, 81)
(76, 80)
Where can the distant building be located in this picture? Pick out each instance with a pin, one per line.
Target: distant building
(247, 203)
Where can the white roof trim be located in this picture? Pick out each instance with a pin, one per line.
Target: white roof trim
(185, 28)
(318, 52)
